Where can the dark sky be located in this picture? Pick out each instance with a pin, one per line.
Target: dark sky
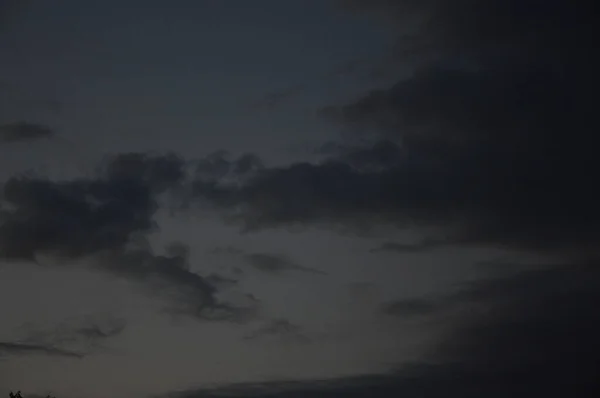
(328, 198)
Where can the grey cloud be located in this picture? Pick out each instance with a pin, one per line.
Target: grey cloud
(410, 308)
(226, 250)
(282, 329)
(24, 132)
(170, 277)
(492, 138)
(540, 328)
(418, 247)
(9, 9)
(159, 172)
(81, 335)
(495, 29)
(301, 193)
(87, 215)
(220, 280)
(177, 249)
(272, 263)
(220, 165)
(104, 218)
(94, 332)
(74, 338)
(12, 348)
(72, 218)
(275, 264)
(276, 98)
(537, 336)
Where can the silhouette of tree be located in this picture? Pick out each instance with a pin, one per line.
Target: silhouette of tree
(18, 395)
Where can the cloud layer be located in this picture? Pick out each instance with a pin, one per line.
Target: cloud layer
(24, 132)
(76, 338)
(534, 333)
(103, 221)
(490, 138)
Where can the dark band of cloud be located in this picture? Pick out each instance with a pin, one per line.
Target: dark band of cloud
(531, 334)
(491, 139)
(10, 348)
(75, 339)
(24, 132)
(102, 219)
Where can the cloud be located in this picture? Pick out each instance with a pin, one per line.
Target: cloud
(494, 29)
(163, 276)
(479, 295)
(305, 193)
(540, 328)
(74, 338)
(220, 280)
(102, 221)
(82, 335)
(490, 140)
(24, 132)
(226, 250)
(220, 165)
(534, 333)
(276, 98)
(410, 308)
(95, 331)
(270, 263)
(282, 329)
(419, 247)
(72, 218)
(10, 348)
(9, 9)
(275, 264)
(158, 172)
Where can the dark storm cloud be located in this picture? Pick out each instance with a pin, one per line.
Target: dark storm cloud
(84, 216)
(482, 294)
(72, 218)
(24, 132)
(494, 28)
(540, 328)
(492, 137)
(530, 334)
(103, 219)
(334, 191)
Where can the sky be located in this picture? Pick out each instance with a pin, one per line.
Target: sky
(325, 198)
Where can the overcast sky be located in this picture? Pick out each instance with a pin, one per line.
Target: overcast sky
(297, 198)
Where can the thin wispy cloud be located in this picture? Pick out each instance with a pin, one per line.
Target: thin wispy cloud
(16, 348)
